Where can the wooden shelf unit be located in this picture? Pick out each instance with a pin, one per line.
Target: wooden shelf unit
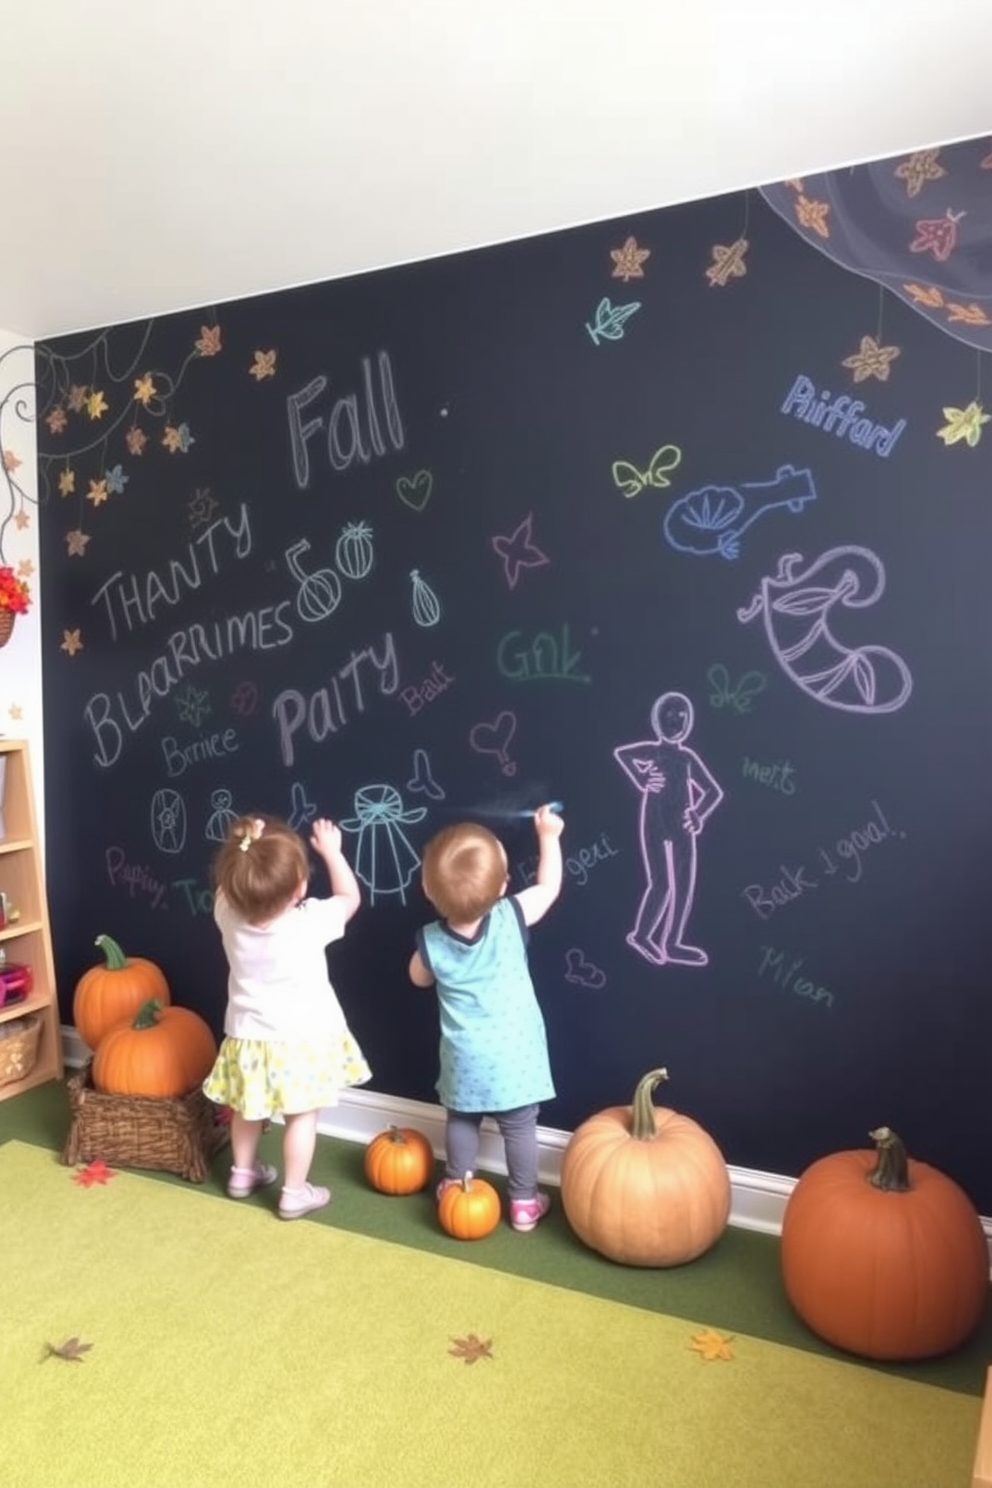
(29, 938)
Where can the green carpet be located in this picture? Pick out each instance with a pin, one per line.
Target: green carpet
(229, 1348)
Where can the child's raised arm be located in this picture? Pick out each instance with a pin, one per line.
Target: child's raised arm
(538, 897)
(325, 839)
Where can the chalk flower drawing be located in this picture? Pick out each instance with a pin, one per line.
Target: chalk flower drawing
(963, 424)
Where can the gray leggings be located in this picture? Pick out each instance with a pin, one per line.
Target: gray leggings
(518, 1128)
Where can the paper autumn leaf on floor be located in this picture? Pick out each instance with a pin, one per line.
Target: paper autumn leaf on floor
(72, 1350)
(94, 1172)
(471, 1348)
(712, 1345)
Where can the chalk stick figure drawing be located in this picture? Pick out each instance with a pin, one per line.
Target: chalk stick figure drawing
(222, 817)
(715, 518)
(678, 793)
(385, 860)
(797, 613)
(422, 780)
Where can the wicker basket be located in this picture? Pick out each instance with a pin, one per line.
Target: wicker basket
(19, 1047)
(130, 1131)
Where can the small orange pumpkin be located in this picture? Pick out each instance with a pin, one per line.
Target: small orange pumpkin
(884, 1256)
(162, 1052)
(469, 1210)
(643, 1185)
(399, 1161)
(106, 994)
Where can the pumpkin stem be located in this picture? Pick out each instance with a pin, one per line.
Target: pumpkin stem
(642, 1123)
(891, 1170)
(148, 1014)
(395, 1135)
(467, 1182)
(115, 957)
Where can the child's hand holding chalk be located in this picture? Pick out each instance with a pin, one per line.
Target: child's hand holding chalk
(547, 821)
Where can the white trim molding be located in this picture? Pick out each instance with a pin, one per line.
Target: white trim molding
(757, 1199)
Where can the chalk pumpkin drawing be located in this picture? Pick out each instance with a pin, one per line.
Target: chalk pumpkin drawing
(678, 794)
(796, 606)
(713, 519)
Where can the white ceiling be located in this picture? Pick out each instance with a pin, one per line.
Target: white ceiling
(162, 154)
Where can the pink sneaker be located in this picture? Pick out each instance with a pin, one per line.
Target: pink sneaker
(295, 1202)
(526, 1214)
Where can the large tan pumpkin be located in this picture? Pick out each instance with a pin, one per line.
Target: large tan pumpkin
(884, 1256)
(644, 1185)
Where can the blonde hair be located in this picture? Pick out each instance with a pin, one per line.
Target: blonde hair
(260, 867)
(464, 871)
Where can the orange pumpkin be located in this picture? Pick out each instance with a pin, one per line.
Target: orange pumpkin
(469, 1210)
(162, 1051)
(399, 1161)
(115, 990)
(643, 1185)
(884, 1256)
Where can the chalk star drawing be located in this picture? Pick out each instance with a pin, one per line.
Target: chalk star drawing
(422, 781)
(385, 860)
(519, 550)
(715, 518)
(192, 705)
(582, 973)
(301, 811)
(678, 794)
(918, 169)
(628, 261)
(873, 360)
(796, 614)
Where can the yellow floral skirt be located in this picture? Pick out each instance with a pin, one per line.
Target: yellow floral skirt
(260, 1079)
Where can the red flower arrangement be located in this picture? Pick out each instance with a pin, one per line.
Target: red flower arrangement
(14, 592)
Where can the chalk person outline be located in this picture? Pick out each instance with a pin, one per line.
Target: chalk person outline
(678, 794)
(385, 860)
(713, 519)
(797, 613)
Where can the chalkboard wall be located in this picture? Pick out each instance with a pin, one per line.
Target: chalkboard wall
(683, 520)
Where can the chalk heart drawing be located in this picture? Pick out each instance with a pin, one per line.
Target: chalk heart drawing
(796, 608)
(582, 973)
(415, 490)
(495, 738)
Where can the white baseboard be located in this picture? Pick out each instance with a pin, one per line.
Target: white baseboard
(757, 1200)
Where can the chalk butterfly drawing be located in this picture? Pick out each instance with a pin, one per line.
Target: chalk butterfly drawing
(797, 614)
(631, 481)
(741, 695)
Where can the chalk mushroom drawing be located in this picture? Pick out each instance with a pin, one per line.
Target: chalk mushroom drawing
(678, 793)
(796, 613)
(715, 518)
(385, 860)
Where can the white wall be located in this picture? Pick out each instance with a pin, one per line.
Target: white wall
(20, 658)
